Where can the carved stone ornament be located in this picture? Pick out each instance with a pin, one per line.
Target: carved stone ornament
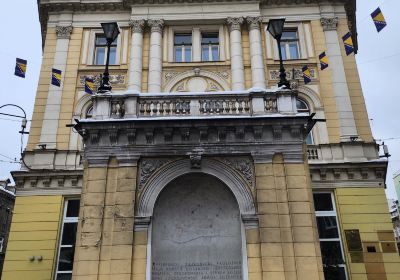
(116, 79)
(243, 165)
(253, 22)
(156, 25)
(195, 160)
(234, 23)
(137, 25)
(63, 32)
(329, 24)
(148, 167)
(298, 74)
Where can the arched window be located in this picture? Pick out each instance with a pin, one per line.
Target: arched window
(302, 107)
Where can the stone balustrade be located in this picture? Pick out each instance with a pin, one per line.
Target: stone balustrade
(131, 104)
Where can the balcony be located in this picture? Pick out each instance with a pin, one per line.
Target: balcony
(127, 105)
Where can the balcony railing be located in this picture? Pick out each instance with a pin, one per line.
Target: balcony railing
(149, 105)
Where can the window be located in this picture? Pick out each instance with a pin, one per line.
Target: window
(183, 47)
(89, 112)
(100, 51)
(290, 45)
(209, 47)
(329, 236)
(67, 240)
(302, 107)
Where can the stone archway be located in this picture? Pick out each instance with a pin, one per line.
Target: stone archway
(196, 231)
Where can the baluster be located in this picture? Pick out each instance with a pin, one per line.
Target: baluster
(201, 102)
(246, 104)
(141, 107)
(240, 106)
(148, 110)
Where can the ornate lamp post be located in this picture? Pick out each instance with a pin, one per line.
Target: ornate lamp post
(275, 28)
(111, 32)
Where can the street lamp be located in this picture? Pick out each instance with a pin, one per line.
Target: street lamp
(275, 28)
(111, 32)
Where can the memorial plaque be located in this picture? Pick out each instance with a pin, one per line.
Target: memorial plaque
(196, 232)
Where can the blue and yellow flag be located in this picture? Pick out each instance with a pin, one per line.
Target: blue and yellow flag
(20, 67)
(348, 43)
(89, 85)
(56, 77)
(306, 75)
(323, 59)
(378, 19)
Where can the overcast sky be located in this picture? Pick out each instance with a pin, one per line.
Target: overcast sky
(378, 63)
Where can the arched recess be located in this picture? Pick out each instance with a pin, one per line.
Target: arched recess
(312, 98)
(82, 106)
(173, 170)
(175, 80)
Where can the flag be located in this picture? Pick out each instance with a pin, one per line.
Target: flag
(89, 85)
(306, 75)
(20, 67)
(56, 77)
(378, 19)
(323, 59)
(348, 43)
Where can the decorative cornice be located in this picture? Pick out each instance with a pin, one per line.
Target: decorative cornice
(234, 23)
(137, 25)
(156, 25)
(63, 32)
(254, 22)
(329, 24)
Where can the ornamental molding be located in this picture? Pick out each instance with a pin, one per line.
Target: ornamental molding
(234, 23)
(254, 22)
(243, 165)
(156, 25)
(137, 25)
(64, 32)
(298, 74)
(148, 167)
(329, 24)
(115, 79)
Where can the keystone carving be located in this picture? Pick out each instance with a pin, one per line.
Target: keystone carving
(63, 32)
(329, 24)
(137, 25)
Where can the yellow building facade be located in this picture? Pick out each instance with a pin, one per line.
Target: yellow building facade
(196, 165)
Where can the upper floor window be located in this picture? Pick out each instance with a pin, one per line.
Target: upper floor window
(183, 47)
(302, 107)
(67, 240)
(290, 45)
(329, 236)
(100, 51)
(210, 47)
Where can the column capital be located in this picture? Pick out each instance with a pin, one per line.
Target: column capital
(253, 22)
(137, 25)
(63, 32)
(234, 23)
(329, 24)
(156, 25)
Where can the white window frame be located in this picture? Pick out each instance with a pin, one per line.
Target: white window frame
(183, 48)
(339, 238)
(65, 221)
(210, 47)
(88, 56)
(169, 36)
(1, 244)
(306, 49)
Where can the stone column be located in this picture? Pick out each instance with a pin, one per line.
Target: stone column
(48, 134)
(135, 63)
(343, 102)
(237, 67)
(257, 60)
(155, 64)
